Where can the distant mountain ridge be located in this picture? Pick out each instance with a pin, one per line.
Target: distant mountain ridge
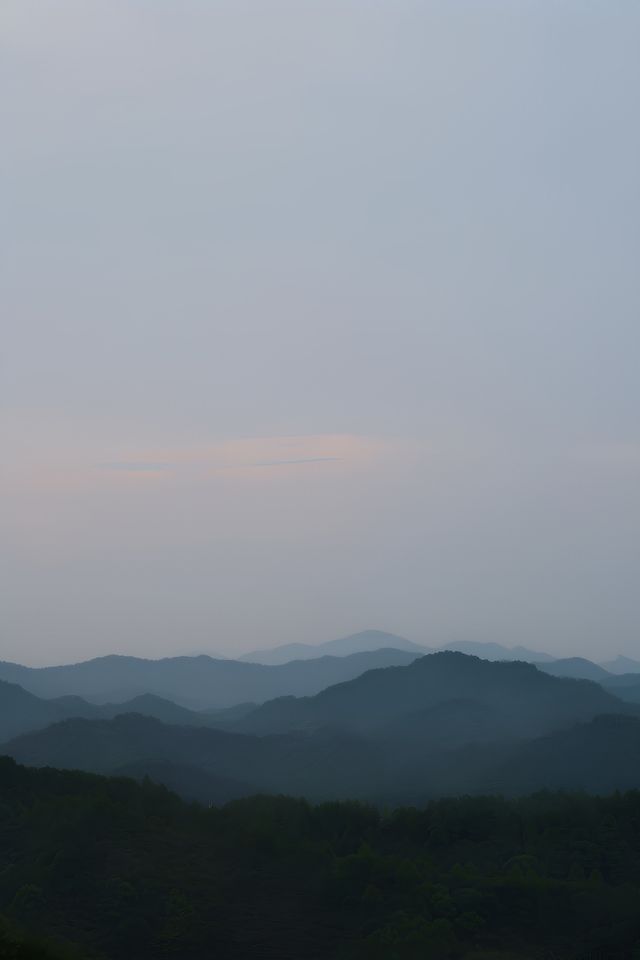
(196, 683)
(622, 665)
(320, 766)
(496, 651)
(375, 639)
(447, 723)
(365, 641)
(576, 667)
(22, 712)
(531, 702)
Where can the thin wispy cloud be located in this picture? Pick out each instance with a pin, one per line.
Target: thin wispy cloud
(249, 453)
(227, 293)
(133, 466)
(286, 463)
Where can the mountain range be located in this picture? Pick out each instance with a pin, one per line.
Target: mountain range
(376, 639)
(526, 700)
(444, 723)
(196, 683)
(622, 665)
(362, 642)
(496, 651)
(21, 711)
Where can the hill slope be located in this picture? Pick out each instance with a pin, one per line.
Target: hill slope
(22, 712)
(597, 757)
(622, 665)
(194, 682)
(527, 702)
(317, 767)
(394, 733)
(496, 651)
(278, 879)
(366, 641)
(576, 667)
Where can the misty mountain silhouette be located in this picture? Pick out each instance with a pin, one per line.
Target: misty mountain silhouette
(445, 723)
(320, 766)
(377, 639)
(576, 667)
(529, 702)
(363, 642)
(496, 651)
(597, 757)
(21, 711)
(628, 687)
(622, 665)
(194, 682)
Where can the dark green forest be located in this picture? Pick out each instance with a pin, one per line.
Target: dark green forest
(109, 868)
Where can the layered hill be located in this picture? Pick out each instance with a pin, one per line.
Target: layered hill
(195, 682)
(22, 712)
(577, 667)
(363, 642)
(496, 651)
(599, 757)
(320, 766)
(522, 700)
(377, 639)
(446, 723)
(622, 665)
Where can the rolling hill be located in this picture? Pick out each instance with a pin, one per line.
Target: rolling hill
(528, 701)
(22, 712)
(445, 723)
(598, 757)
(622, 665)
(196, 683)
(366, 641)
(112, 869)
(321, 766)
(576, 667)
(496, 651)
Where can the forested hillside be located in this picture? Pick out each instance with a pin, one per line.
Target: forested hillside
(523, 700)
(127, 870)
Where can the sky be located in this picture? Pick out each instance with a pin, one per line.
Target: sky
(318, 317)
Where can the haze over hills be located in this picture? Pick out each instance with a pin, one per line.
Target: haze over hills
(375, 639)
(576, 667)
(366, 640)
(496, 651)
(622, 665)
(450, 718)
(320, 767)
(531, 702)
(625, 686)
(444, 723)
(601, 756)
(21, 711)
(195, 682)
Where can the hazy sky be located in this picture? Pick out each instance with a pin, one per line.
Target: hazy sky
(319, 315)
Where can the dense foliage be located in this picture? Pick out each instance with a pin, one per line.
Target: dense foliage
(128, 870)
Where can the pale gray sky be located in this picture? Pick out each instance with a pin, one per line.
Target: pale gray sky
(319, 316)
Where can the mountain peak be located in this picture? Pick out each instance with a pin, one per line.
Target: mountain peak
(366, 641)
